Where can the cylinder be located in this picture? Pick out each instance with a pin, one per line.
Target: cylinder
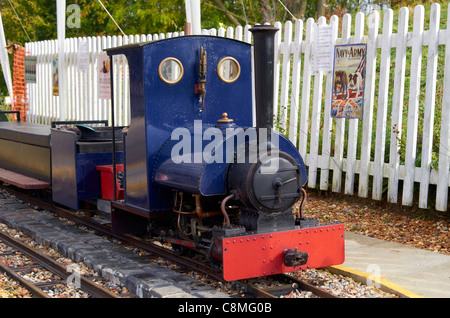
(264, 59)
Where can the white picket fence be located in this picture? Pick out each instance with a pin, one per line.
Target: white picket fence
(303, 102)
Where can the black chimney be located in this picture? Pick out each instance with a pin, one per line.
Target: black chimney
(264, 44)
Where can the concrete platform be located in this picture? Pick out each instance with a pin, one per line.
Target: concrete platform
(403, 269)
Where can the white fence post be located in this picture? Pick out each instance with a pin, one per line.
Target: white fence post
(430, 101)
(336, 160)
(327, 120)
(196, 17)
(315, 122)
(383, 91)
(397, 105)
(444, 147)
(353, 124)
(62, 70)
(276, 73)
(366, 145)
(306, 90)
(413, 107)
(285, 51)
(296, 70)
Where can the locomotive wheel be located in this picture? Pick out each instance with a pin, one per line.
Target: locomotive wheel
(176, 224)
(181, 250)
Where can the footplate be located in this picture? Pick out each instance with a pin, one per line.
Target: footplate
(265, 254)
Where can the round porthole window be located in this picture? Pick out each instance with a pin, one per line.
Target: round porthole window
(170, 70)
(228, 69)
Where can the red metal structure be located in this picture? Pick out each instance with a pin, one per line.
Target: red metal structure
(20, 101)
(266, 254)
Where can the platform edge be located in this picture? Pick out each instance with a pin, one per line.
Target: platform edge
(362, 277)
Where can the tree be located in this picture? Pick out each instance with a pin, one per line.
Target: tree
(229, 15)
(320, 7)
(37, 18)
(298, 8)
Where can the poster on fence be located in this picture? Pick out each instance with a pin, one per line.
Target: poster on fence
(83, 56)
(349, 69)
(104, 80)
(30, 69)
(55, 78)
(323, 48)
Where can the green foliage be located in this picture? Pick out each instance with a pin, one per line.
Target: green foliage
(3, 106)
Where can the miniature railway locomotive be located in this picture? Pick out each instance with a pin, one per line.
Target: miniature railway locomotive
(196, 172)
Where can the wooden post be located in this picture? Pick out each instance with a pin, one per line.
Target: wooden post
(187, 29)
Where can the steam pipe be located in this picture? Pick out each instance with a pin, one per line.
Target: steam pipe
(223, 208)
(264, 61)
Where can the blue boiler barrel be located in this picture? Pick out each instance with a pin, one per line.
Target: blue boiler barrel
(192, 164)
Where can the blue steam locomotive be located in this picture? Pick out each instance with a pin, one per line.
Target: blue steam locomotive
(195, 171)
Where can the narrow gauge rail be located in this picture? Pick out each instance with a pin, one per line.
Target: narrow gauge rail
(105, 229)
(148, 246)
(36, 292)
(289, 284)
(96, 291)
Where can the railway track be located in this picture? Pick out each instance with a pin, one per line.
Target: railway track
(200, 267)
(58, 273)
(144, 245)
(286, 284)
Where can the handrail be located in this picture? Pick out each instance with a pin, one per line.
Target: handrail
(11, 112)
